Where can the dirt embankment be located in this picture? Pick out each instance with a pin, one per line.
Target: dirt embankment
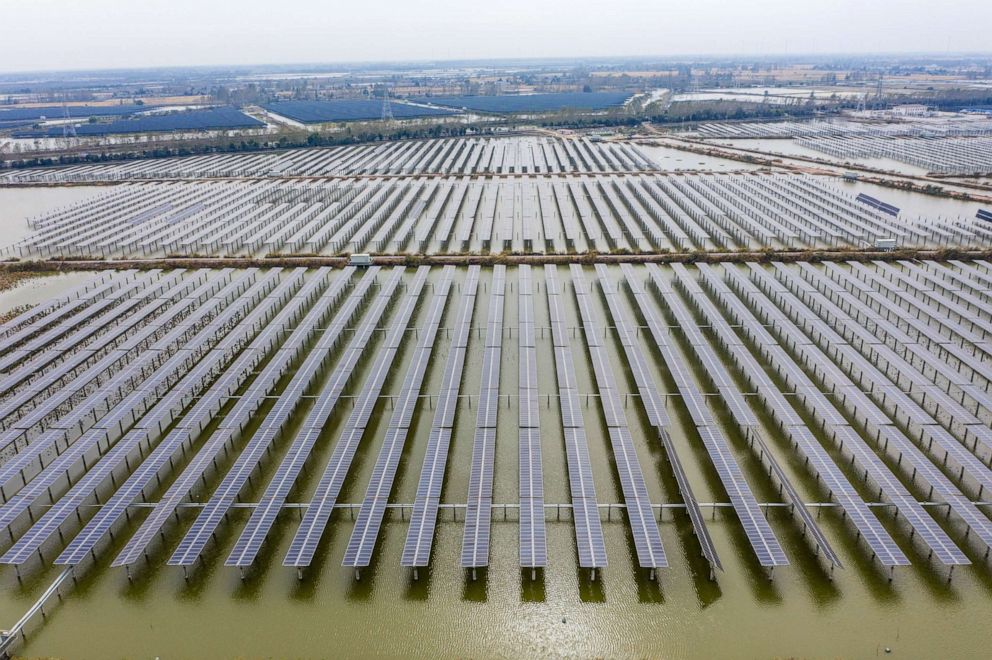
(10, 278)
(17, 269)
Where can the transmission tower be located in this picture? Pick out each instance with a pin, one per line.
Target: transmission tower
(68, 128)
(862, 103)
(387, 108)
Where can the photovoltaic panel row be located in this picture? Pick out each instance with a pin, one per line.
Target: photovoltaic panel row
(362, 542)
(654, 407)
(54, 367)
(935, 440)
(304, 543)
(170, 386)
(926, 528)
(533, 541)
(263, 516)
(640, 514)
(741, 413)
(230, 427)
(271, 425)
(420, 534)
(760, 535)
(150, 426)
(84, 405)
(585, 507)
(183, 433)
(478, 519)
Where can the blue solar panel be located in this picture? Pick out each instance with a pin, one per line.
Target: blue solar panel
(930, 533)
(475, 539)
(420, 535)
(188, 427)
(366, 529)
(585, 510)
(304, 543)
(194, 380)
(640, 516)
(533, 542)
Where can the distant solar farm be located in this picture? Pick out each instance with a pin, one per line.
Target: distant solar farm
(192, 120)
(314, 112)
(532, 102)
(19, 113)
(310, 112)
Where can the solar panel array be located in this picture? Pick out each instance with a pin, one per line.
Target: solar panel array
(842, 432)
(585, 507)
(655, 409)
(422, 212)
(191, 423)
(135, 386)
(464, 156)
(420, 535)
(229, 428)
(533, 536)
(936, 439)
(920, 127)
(839, 488)
(249, 543)
(478, 513)
(238, 307)
(271, 425)
(640, 515)
(363, 535)
(942, 155)
(79, 403)
(740, 412)
(318, 513)
(759, 533)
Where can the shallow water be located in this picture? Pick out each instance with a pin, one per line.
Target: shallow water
(676, 160)
(18, 205)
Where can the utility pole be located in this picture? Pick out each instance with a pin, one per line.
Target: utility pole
(68, 128)
(387, 108)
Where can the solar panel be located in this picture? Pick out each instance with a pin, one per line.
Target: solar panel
(585, 511)
(651, 399)
(848, 439)
(247, 403)
(640, 516)
(132, 368)
(195, 379)
(362, 542)
(93, 338)
(420, 534)
(532, 543)
(844, 493)
(759, 533)
(304, 544)
(258, 446)
(475, 539)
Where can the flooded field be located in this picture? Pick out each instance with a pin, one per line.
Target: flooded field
(676, 160)
(788, 147)
(17, 205)
(803, 609)
(628, 213)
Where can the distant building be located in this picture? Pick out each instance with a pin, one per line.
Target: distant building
(910, 110)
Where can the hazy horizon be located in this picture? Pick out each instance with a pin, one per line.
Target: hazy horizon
(54, 35)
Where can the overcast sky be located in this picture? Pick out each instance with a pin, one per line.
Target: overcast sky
(74, 34)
